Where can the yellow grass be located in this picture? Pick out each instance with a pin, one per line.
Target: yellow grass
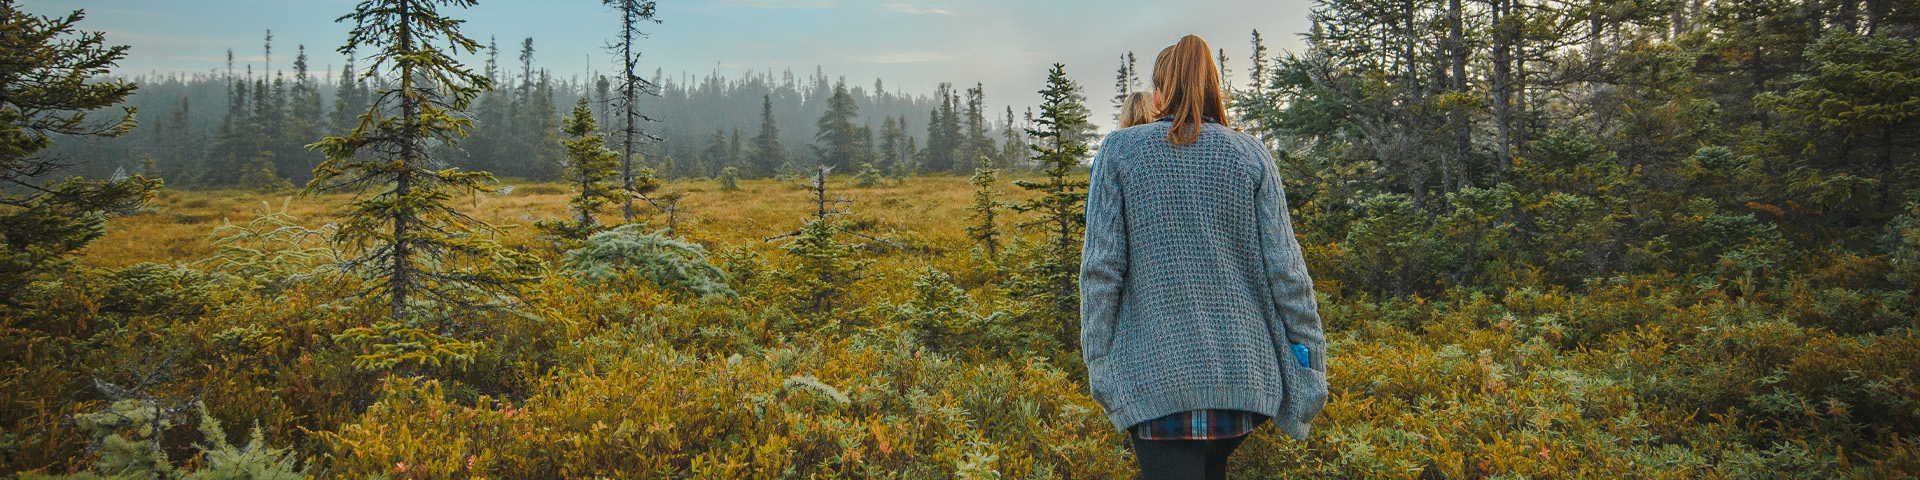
(179, 228)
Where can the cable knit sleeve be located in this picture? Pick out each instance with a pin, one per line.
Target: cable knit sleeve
(1298, 313)
(1103, 265)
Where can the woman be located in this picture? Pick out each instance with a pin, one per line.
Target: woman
(1136, 109)
(1194, 296)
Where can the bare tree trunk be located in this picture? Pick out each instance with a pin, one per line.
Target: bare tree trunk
(627, 99)
(1462, 131)
(1502, 80)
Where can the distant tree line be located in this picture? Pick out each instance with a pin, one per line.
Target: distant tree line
(246, 127)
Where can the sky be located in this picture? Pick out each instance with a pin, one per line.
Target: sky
(1007, 45)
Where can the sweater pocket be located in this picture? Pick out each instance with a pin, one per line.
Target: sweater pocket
(1102, 383)
(1307, 392)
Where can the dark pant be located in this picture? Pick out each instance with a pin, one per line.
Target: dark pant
(1184, 459)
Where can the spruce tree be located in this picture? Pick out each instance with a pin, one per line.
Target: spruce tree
(590, 168)
(703, 161)
(839, 139)
(868, 177)
(233, 142)
(1052, 279)
(305, 122)
(603, 96)
(821, 280)
(1125, 83)
(261, 174)
(1861, 101)
(488, 147)
(349, 99)
(985, 230)
(944, 138)
(544, 122)
(1013, 145)
(413, 245)
(977, 143)
(633, 13)
(910, 155)
(180, 144)
(892, 144)
(47, 91)
(736, 152)
(730, 179)
(270, 122)
(768, 156)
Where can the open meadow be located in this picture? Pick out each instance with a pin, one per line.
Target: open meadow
(929, 369)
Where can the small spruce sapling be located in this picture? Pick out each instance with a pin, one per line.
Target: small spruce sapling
(826, 207)
(820, 282)
(730, 179)
(590, 168)
(985, 230)
(868, 177)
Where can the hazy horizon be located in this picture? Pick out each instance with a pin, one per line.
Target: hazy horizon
(911, 46)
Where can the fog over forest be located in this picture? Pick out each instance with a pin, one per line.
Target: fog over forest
(695, 117)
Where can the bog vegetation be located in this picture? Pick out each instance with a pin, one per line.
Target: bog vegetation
(1660, 240)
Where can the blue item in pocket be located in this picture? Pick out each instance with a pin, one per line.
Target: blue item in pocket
(1300, 353)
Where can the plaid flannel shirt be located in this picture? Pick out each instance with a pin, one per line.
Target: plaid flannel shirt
(1199, 425)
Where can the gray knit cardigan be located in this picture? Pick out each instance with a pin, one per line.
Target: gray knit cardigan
(1192, 284)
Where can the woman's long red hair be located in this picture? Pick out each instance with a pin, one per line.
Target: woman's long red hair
(1187, 80)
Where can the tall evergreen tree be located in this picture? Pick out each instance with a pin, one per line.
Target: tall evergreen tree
(736, 152)
(490, 147)
(305, 123)
(603, 96)
(944, 137)
(180, 150)
(977, 144)
(272, 123)
(1052, 279)
(1257, 74)
(711, 159)
(838, 139)
(349, 99)
(633, 13)
(544, 131)
(1125, 83)
(768, 155)
(234, 142)
(1256, 89)
(892, 145)
(413, 245)
(47, 91)
(1013, 145)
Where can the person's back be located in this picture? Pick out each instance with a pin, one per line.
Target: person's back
(1197, 300)
(1194, 295)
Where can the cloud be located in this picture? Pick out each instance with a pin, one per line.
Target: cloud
(907, 57)
(779, 4)
(910, 9)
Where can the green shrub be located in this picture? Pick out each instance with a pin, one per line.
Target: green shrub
(868, 177)
(627, 253)
(730, 179)
(128, 441)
